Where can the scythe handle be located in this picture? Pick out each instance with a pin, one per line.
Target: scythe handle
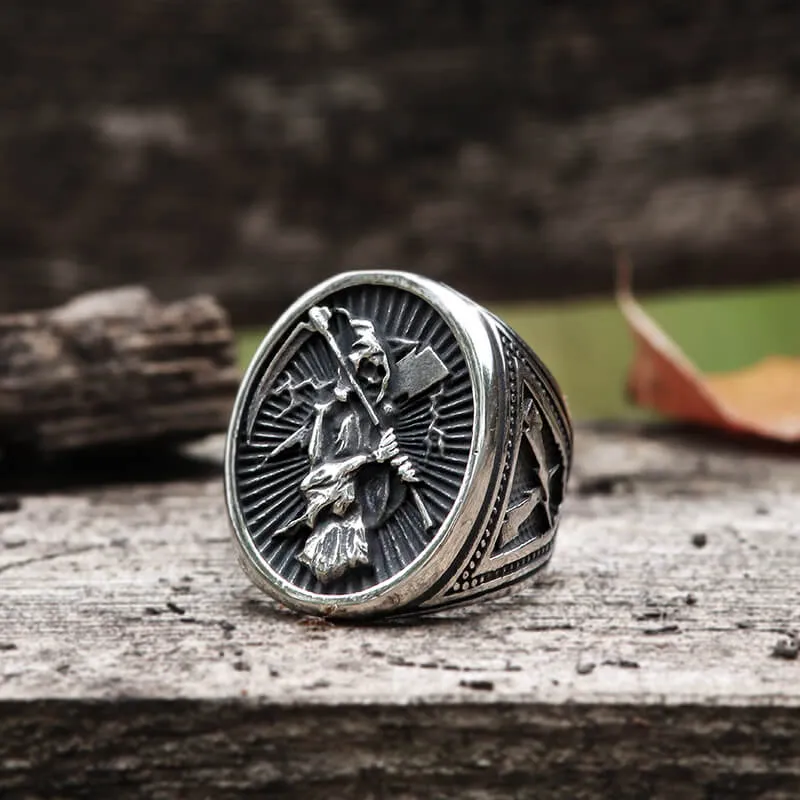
(319, 319)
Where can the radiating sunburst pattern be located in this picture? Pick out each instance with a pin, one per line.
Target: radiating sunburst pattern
(434, 429)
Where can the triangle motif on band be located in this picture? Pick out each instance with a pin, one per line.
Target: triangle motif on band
(530, 510)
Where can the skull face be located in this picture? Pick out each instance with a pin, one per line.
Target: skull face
(369, 358)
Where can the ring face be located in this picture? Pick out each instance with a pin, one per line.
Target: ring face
(393, 449)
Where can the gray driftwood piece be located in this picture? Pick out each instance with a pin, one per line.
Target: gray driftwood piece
(115, 368)
(251, 147)
(136, 660)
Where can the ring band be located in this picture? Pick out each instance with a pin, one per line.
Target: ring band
(394, 449)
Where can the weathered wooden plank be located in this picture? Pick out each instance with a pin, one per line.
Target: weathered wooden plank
(115, 368)
(250, 148)
(470, 751)
(134, 653)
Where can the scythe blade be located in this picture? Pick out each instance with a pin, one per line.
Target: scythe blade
(301, 332)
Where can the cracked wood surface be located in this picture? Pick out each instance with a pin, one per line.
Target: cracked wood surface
(134, 654)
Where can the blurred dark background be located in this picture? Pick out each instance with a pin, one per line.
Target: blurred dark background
(251, 147)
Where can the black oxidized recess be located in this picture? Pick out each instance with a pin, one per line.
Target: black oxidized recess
(354, 440)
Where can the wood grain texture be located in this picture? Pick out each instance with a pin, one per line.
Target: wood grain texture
(248, 149)
(135, 655)
(112, 369)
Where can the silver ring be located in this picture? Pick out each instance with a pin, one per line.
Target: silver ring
(394, 449)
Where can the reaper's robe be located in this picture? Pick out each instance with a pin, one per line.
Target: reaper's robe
(346, 490)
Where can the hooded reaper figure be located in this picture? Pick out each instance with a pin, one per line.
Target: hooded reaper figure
(358, 477)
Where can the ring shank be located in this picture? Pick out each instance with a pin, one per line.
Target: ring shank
(518, 538)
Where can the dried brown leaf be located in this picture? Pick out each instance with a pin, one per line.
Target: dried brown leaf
(762, 400)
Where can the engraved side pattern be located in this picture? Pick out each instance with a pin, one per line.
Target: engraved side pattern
(523, 521)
